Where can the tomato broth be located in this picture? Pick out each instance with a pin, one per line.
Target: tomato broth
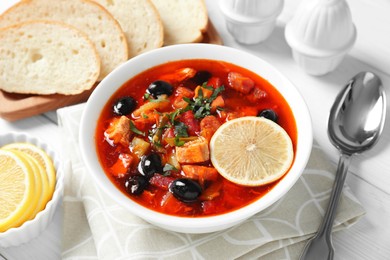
(147, 128)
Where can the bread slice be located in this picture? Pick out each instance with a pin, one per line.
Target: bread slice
(184, 20)
(42, 57)
(140, 21)
(87, 16)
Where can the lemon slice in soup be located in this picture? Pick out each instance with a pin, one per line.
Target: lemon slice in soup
(251, 151)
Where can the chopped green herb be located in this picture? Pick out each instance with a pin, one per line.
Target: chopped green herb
(135, 130)
(180, 129)
(201, 106)
(179, 142)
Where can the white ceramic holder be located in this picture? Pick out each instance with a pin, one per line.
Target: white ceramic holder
(320, 34)
(251, 21)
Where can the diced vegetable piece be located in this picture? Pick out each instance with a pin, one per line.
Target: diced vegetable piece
(173, 141)
(193, 152)
(208, 126)
(213, 191)
(206, 93)
(240, 83)
(171, 205)
(182, 92)
(139, 146)
(122, 165)
(118, 131)
(161, 181)
(172, 160)
(160, 104)
(191, 122)
(161, 126)
(218, 102)
(200, 173)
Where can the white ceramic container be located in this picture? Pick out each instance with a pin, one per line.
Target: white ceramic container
(145, 61)
(251, 21)
(320, 34)
(33, 228)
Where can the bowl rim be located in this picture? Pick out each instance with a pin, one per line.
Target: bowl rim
(155, 57)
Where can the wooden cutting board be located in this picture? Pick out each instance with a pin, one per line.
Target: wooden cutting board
(18, 106)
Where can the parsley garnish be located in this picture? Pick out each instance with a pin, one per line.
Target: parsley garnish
(135, 130)
(201, 105)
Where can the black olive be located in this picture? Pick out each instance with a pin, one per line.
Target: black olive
(160, 87)
(136, 184)
(124, 106)
(185, 190)
(269, 114)
(201, 77)
(150, 164)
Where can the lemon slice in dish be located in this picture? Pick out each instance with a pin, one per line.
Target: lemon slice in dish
(251, 151)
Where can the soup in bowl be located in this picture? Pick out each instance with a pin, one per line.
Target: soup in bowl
(151, 130)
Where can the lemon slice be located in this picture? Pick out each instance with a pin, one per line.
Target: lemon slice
(251, 151)
(17, 189)
(41, 185)
(43, 159)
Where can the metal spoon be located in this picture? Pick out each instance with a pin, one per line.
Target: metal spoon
(355, 123)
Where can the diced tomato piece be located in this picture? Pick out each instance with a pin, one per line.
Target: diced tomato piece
(161, 181)
(208, 126)
(191, 122)
(240, 83)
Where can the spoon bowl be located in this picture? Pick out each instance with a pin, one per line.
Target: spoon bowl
(355, 123)
(357, 117)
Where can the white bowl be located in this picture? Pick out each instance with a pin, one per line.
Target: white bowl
(150, 59)
(34, 227)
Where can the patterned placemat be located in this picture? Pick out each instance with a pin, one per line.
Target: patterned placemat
(95, 227)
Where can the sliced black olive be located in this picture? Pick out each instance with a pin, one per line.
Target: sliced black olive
(269, 114)
(136, 184)
(124, 106)
(201, 77)
(160, 87)
(150, 164)
(185, 190)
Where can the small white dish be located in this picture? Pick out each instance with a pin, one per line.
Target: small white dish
(320, 34)
(251, 21)
(33, 228)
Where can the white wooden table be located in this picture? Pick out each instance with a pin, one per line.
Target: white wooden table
(369, 177)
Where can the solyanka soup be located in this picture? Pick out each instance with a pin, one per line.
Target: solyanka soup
(153, 135)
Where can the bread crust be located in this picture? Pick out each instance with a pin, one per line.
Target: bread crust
(87, 16)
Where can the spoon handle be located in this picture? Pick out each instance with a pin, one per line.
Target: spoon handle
(320, 246)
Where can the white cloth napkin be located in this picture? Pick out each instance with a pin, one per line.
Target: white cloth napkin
(95, 227)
